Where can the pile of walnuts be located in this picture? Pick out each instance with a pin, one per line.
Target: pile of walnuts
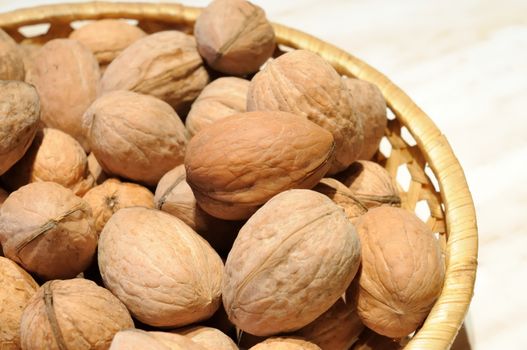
(200, 192)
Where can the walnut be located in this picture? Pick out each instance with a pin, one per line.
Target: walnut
(72, 314)
(342, 196)
(19, 119)
(66, 75)
(166, 65)
(371, 184)
(209, 338)
(367, 100)
(289, 264)
(402, 271)
(241, 161)
(11, 62)
(48, 230)
(107, 38)
(221, 98)
(285, 343)
(234, 36)
(135, 136)
(135, 339)
(163, 271)
(301, 82)
(29, 52)
(95, 169)
(369, 340)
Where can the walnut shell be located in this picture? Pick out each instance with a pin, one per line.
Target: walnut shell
(367, 100)
(17, 288)
(112, 195)
(290, 263)
(164, 272)
(234, 36)
(48, 230)
(301, 82)
(19, 119)
(135, 136)
(107, 38)
(371, 184)
(66, 75)
(166, 65)
(369, 340)
(95, 169)
(11, 62)
(209, 338)
(285, 343)
(29, 53)
(221, 98)
(135, 339)
(54, 156)
(241, 161)
(174, 196)
(402, 271)
(72, 314)
(342, 196)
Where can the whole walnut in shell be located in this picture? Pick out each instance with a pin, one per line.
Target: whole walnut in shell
(95, 169)
(135, 136)
(234, 36)
(163, 271)
(135, 339)
(209, 338)
(367, 100)
(221, 98)
(371, 184)
(107, 38)
(54, 156)
(402, 271)
(301, 82)
(112, 195)
(290, 263)
(19, 119)
(17, 288)
(174, 196)
(11, 62)
(285, 343)
(72, 314)
(241, 161)
(66, 75)
(48, 230)
(166, 65)
(342, 196)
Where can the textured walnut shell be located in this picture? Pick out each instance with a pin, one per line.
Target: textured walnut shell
(19, 119)
(135, 339)
(368, 102)
(107, 38)
(209, 338)
(285, 343)
(402, 271)
(163, 271)
(66, 75)
(48, 230)
(371, 184)
(166, 65)
(369, 340)
(112, 195)
(339, 327)
(241, 161)
(234, 36)
(174, 196)
(290, 263)
(221, 98)
(301, 82)
(54, 156)
(17, 288)
(72, 314)
(95, 169)
(11, 62)
(135, 136)
(342, 196)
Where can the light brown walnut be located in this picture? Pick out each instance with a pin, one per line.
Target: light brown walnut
(95, 169)
(135, 339)
(209, 338)
(342, 196)
(285, 343)
(11, 61)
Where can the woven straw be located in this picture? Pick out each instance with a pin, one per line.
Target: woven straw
(423, 152)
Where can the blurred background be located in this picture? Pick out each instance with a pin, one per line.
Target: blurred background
(465, 64)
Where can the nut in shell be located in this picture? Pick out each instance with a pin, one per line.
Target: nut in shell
(135, 339)
(11, 62)
(342, 196)
(289, 264)
(209, 338)
(285, 343)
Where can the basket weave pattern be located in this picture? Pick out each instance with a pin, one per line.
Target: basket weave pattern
(425, 155)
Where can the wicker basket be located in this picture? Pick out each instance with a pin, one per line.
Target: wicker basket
(415, 146)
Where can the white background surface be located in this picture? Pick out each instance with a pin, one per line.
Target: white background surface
(464, 62)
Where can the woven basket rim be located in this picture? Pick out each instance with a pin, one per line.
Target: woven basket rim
(447, 315)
